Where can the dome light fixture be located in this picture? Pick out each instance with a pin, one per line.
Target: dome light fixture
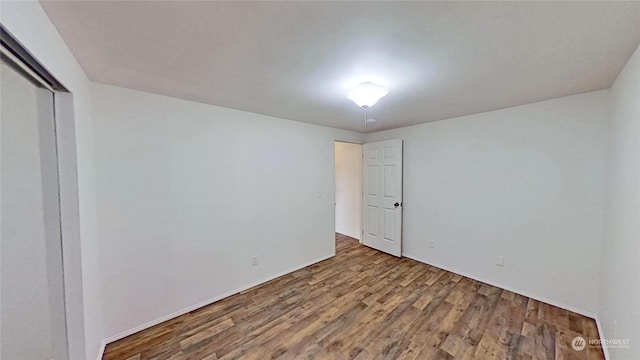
(366, 94)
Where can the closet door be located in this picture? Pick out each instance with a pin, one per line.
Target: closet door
(32, 295)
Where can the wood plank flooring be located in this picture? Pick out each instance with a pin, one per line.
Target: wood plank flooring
(364, 304)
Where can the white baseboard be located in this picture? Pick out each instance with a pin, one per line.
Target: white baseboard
(605, 350)
(509, 288)
(101, 350)
(208, 302)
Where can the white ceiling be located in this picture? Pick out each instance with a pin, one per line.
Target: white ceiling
(295, 60)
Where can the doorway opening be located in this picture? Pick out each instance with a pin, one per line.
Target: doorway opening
(348, 189)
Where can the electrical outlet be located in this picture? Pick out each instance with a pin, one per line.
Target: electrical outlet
(500, 260)
(254, 260)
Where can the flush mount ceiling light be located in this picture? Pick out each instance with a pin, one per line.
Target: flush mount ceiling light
(366, 95)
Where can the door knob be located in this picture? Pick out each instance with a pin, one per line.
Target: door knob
(396, 204)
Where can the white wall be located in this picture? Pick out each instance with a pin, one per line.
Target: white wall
(349, 189)
(189, 192)
(620, 294)
(525, 183)
(28, 22)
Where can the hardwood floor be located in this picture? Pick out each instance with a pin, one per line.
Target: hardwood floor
(364, 304)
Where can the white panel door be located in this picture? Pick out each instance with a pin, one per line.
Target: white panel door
(382, 196)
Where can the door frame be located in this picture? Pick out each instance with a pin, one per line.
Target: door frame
(362, 143)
